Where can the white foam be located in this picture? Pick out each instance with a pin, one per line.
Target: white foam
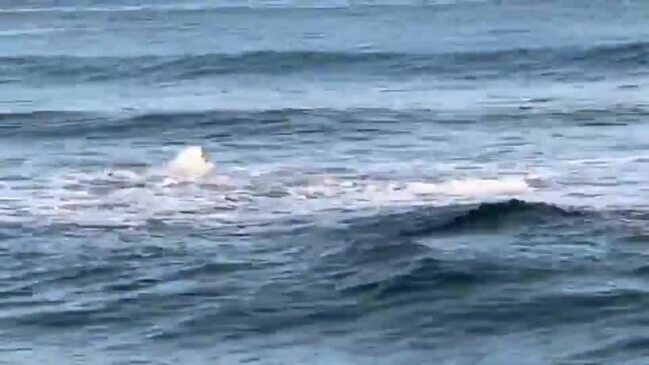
(188, 190)
(191, 163)
(133, 199)
(484, 187)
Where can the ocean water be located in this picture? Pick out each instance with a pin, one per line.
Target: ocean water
(395, 182)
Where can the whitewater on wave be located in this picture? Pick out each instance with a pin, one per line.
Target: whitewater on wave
(189, 188)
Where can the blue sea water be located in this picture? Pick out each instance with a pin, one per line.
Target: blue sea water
(396, 182)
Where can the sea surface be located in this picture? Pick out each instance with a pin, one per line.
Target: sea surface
(396, 182)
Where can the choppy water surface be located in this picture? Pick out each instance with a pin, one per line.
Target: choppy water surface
(396, 183)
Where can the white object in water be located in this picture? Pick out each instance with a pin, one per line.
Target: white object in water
(192, 162)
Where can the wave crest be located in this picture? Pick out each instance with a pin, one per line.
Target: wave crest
(490, 63)
(496, 215)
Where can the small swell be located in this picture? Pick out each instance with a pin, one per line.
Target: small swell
(496, 215)
(164, 68)
(424, 275)
(389, 261)
(461, 219)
